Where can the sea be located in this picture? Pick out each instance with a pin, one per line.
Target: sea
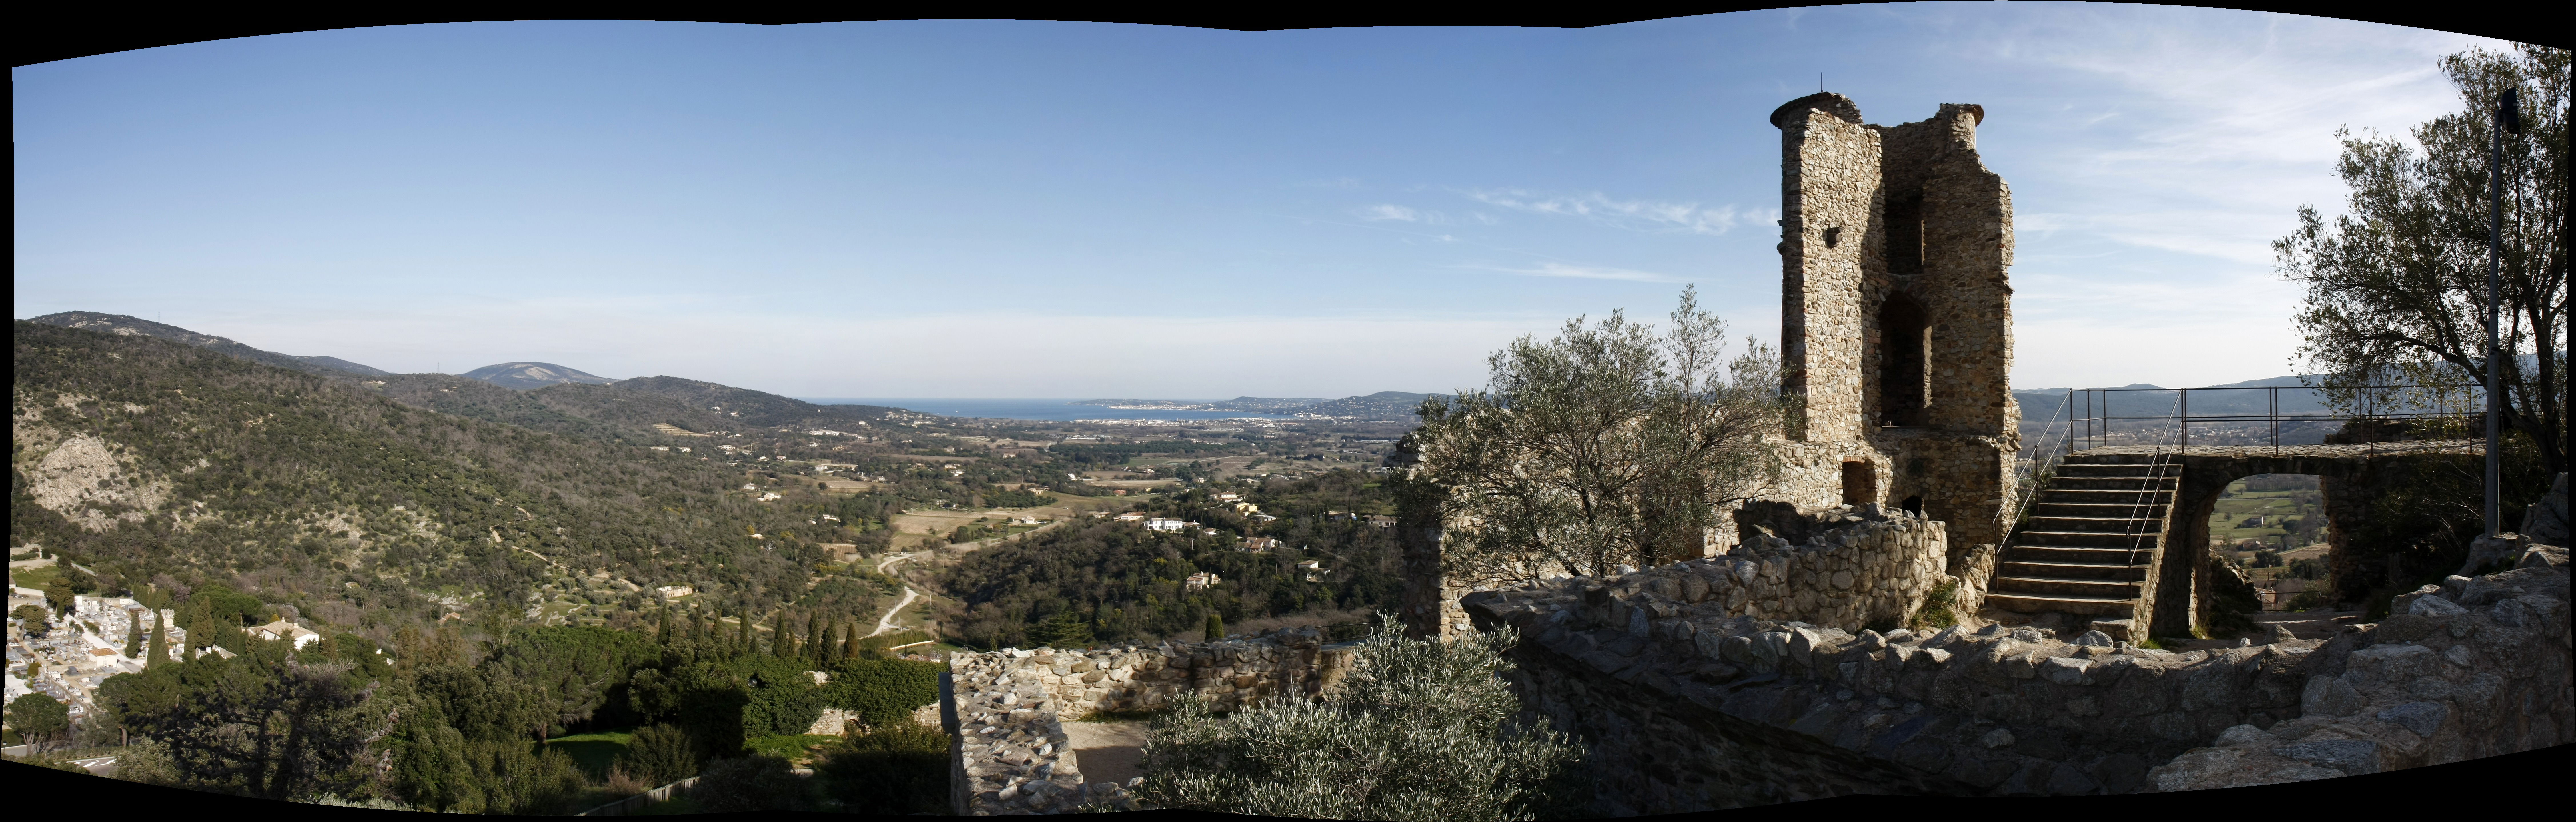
(1034, 409)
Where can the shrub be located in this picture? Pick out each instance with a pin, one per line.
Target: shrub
(1422, 729)
(751, 783)
(1939, 608)
(900, 768)
(660, 755)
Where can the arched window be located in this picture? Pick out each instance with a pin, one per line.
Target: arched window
(1904, 361)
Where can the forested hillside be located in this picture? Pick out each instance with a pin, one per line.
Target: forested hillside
(1112, 582)
(156, 462)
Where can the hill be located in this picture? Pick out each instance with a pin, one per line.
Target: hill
(533, 375)
(751, 408)
(1383, 405)
(123, 325)
(156, 460)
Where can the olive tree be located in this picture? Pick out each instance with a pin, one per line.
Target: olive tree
(1421, 729)
(2397, 285)
(1610, 444)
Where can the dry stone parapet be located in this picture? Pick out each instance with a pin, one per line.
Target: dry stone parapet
(2469, 668)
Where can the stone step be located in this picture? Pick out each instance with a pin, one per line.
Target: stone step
(2085, 539)
(2137, 484)
(2105, 496)
(2069, 586)
(2048, 523)
(2078, 469)
(2099, 510)
(2079, 555)
(2072, 570)
(2108, 607)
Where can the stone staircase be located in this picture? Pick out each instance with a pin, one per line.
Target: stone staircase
(2092, 536)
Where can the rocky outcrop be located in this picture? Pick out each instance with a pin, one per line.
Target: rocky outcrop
(2470, 668)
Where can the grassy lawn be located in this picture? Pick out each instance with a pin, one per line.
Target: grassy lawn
(796, 748)
(595, 751)
(36, 578)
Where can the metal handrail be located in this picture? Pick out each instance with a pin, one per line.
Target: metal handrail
(2041, 466)
(2101, 398)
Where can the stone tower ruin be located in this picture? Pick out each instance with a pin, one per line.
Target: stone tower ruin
(1896, 316)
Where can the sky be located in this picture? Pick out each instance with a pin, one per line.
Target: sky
(1050, 209)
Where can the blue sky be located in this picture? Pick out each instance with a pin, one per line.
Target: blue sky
(1035, 209)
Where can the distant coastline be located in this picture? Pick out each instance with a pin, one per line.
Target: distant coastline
(1050, 409)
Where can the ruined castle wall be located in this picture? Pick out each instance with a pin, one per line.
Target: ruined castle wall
(1693, 709)
(1869, 565)
(2470, 668)
(1829, 196)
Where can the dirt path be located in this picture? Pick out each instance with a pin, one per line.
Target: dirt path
(886, 623)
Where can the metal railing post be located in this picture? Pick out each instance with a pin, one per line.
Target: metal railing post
(2186, 419)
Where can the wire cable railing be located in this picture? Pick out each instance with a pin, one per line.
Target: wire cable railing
(2096, 406)
(2043, 461)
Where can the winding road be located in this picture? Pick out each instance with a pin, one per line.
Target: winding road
(886, 623)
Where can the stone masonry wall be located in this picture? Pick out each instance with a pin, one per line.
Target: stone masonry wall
(2469, 668)
(1829, 193)
(1858, 565)
(1690, 708)
(1009, 706)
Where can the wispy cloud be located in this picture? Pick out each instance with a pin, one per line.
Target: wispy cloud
(1390, 211)
(1635, 215)
(1584, 272)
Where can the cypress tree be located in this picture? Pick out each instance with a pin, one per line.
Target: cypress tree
(134, 635)
(850, 642)
(818, 638)
(781, 643)
(750, 642)
(160, 642)
(662, 633)
(1215, 628)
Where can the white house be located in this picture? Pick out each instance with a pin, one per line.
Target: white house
(285, 630)
(1200, 581)
(1162, 524)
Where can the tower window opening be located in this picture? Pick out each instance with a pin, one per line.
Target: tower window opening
(1904, 361)
(1905, 235)
(1860, 483)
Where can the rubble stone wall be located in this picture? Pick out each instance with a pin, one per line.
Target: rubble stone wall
(2469, 668)
(1687, 707)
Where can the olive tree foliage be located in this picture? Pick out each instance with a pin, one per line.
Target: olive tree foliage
(1421, 729)
(2397, 285)
(1610, 444)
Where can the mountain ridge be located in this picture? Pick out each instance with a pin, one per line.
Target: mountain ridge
(126, 325)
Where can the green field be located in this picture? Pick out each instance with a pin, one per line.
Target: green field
(2237, 504)
(595, 751)
(36, 578)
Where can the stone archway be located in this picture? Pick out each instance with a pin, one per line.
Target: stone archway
(2182, 590)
